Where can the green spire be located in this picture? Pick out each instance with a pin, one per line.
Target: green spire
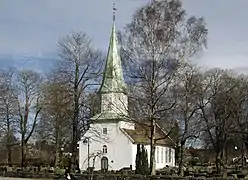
(113, 80)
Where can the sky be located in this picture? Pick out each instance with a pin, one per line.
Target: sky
(29, 29)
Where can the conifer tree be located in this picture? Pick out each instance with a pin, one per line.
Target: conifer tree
(138, 160)
(144, 160)
(142, 166)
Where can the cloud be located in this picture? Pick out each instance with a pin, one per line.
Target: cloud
(32, 28)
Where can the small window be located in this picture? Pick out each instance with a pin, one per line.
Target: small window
(104, 149)
(109, 106)
(104, 131)
(157, 154)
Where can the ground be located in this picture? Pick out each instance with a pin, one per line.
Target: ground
(6, 178)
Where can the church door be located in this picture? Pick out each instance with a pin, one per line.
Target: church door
(104, 164)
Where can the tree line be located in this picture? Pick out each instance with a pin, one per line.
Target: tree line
(165, 87)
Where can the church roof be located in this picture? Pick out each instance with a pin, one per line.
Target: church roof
(140, 135)
(107, 116)
(113, 80)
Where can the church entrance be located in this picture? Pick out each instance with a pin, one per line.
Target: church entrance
(104, 164)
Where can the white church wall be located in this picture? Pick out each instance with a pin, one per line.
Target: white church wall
(164, 157)
(161, 157)
(119, 147)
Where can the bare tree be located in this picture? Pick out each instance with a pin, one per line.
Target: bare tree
(94, 103)
(28, 87)
(187, 90)
(153, 45)
(240, 114)
(79, 68)
(8, 111)
(217, 113)
(54, 125)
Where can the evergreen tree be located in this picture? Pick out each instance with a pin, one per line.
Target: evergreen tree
(142, 166)
(144, 161)
(138, 160)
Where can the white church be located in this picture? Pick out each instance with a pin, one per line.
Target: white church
(111, 141)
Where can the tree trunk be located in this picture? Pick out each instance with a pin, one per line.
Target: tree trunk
(9, 145)
(75, 115)
(181, 160)
(153, 149)
(74, 135)
(9, 155)
(23, 158)
(9, 139)
(225, 155)
(57, 149)
(57, 157)
(243, 154)
(217, 162)
(153, 161)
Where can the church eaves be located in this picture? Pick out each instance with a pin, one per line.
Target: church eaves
(113, 80)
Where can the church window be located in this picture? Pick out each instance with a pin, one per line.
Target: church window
(104, 149)
(162, 154)
(157, 154)
(166, 155)
(109, 106)
(170, 155)
(105, 131)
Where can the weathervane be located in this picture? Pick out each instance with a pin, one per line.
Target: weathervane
(114, 10)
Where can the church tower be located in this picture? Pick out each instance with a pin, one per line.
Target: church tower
(114, 101)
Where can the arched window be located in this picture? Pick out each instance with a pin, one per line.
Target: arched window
(104, 149)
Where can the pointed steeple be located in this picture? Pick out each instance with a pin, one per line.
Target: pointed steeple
(113, 80)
